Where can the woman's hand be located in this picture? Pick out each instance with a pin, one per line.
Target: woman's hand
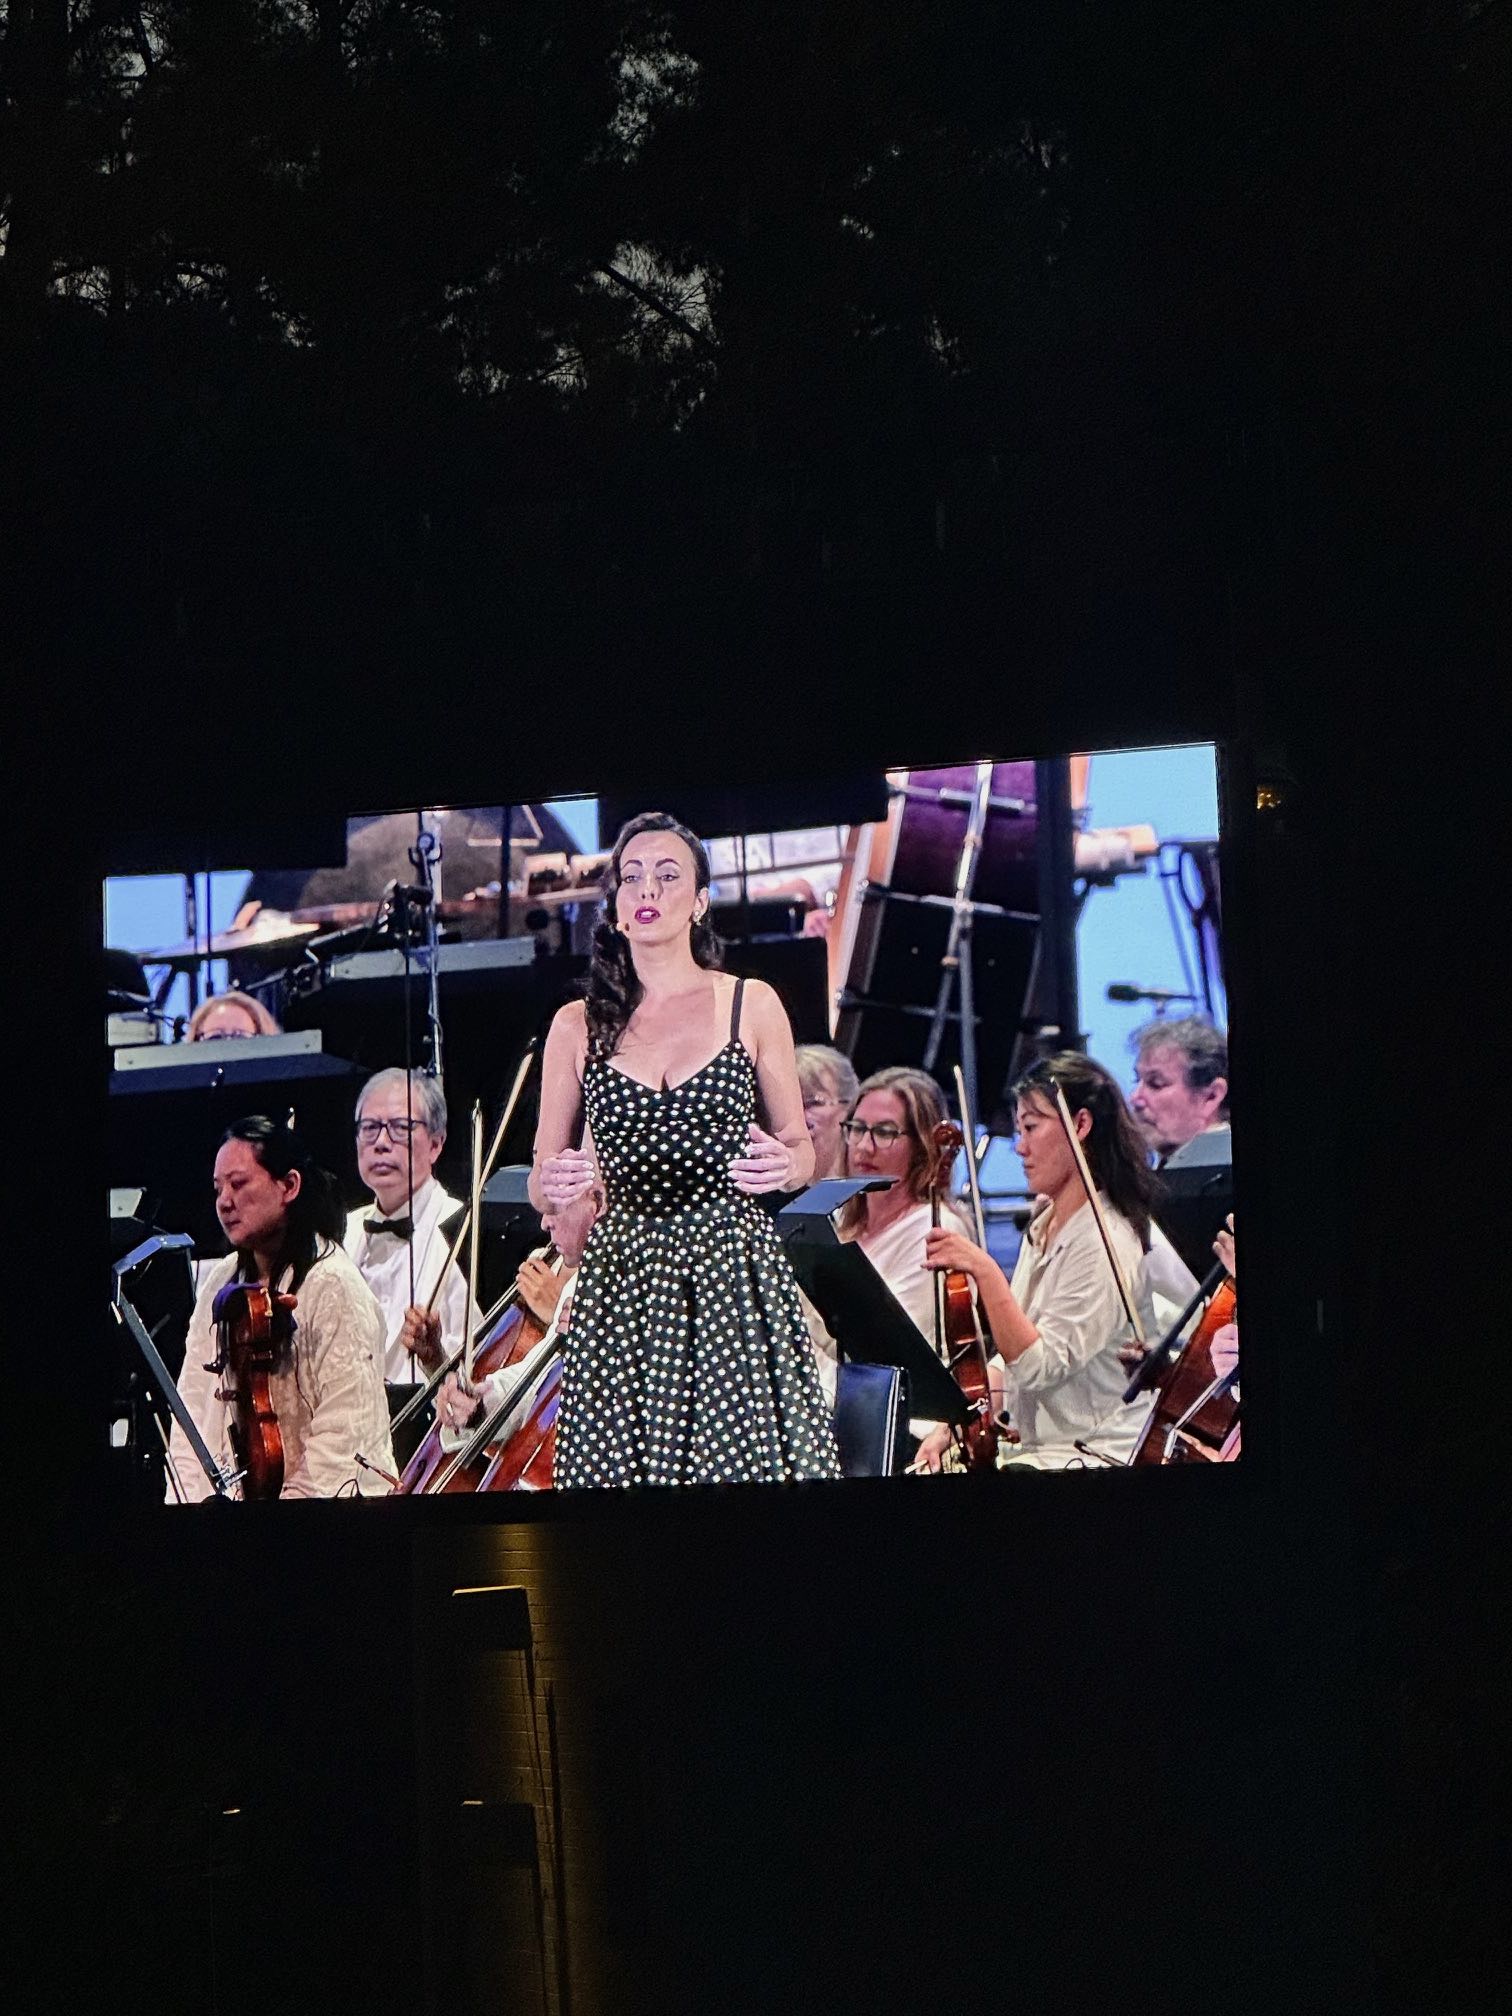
(953, 1253)
(568, 1230)
(567, 1177)
(456, 1403)
(930, 1452)
(766, 1165)
(420, 1334)
(1223, 1246)
(540, 1289)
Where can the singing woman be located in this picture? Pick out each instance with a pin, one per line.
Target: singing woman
(688, 1359)
(1058, 1326)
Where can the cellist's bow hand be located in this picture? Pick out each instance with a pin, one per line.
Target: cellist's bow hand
(1223, 1349)
(1223, 1245)
(420, 1335)
(930, 1453)
(952, 1252)
(456, 1403)
(1132, 1355)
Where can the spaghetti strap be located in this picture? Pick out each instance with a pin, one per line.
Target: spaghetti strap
(735, 1009)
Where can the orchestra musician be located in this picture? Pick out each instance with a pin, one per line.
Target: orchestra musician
(673, 1086)
(889, 1131)
(1059, 1324)
(545, 1290)
(1181, 1090)
(458, 1404)
(1181, 1082)
(283, 1217)
(827, 1079)
(400, 1242)
(231, 1014)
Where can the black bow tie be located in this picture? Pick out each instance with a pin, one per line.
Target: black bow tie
(402, 1228)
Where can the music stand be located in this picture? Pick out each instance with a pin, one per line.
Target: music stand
(221, 1480)
(860, 1311)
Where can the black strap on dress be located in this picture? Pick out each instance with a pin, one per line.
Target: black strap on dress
(735, 1008)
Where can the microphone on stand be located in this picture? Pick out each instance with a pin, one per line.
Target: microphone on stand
(1120, 990)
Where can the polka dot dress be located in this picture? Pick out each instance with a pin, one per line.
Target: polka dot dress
(688, 1359)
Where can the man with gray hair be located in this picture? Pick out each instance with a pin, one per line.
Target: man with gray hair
(401, 1129)
(1181, 1084)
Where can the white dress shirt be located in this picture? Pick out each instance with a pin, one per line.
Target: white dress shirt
(328, 1394)
(897, 1253)
(383, 1260)
(1068, 1386)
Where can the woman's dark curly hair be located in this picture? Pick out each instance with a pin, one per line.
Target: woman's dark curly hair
(1115, 1148)
(316, 1214)
(613, 989)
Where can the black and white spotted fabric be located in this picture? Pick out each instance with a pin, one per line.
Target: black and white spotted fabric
(688, 1359)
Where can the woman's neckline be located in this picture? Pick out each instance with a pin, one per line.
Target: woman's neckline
(658, 1091)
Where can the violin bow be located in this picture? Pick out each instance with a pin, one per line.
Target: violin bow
(424, 1392)
(968, 1125)
(475, 1212)
(1073, 1140)
(522, 1072)
(943, 1150)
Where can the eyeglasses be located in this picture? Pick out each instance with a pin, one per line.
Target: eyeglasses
(884, 1135)
(399, 1131)
(819, 1105)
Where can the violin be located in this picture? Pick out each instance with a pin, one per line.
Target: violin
(959, 1337)
(254, 1328)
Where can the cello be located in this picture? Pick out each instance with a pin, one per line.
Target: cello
(514, 1333)
(1196, 1414)
(1188, 1418)
(508, 1445)
(254, 1327)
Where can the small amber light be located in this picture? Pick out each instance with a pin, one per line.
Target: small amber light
(1267, 798)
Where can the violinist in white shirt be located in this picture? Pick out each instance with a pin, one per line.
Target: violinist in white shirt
(280, 1212)
(1060, 1324)
(401, 1240)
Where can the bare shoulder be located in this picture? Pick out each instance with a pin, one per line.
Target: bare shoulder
(568, 1034)
(762, 1014)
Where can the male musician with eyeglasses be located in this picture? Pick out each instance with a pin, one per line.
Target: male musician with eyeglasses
(400, 1241)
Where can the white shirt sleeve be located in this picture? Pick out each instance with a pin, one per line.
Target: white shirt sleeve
(1084, 1316)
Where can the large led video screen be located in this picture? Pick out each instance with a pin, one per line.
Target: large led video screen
(873, 1127)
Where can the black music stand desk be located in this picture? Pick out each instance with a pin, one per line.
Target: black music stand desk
(861, 1312)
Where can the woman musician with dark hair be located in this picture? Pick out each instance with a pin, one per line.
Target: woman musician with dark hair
(688, 1359)
(283, 1217)
(1060, 1324)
